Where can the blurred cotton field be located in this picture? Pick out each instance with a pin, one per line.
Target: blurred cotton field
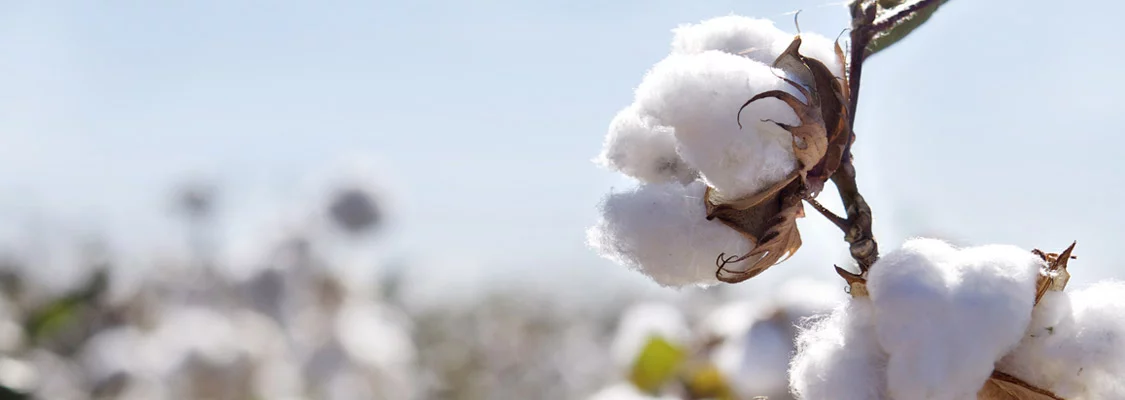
(284, 314)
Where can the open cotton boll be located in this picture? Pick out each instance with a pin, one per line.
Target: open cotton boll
(639, 148)
(1075, 345)
(838, 357)
(733, 34)
(640, 323)
(946, 315)
(662, 231)
(699, 96)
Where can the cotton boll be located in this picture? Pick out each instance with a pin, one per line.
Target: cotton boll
(639, 148)
(699, 96)
(838, 357)
(945, 315)
(640, 323)
(730, 34)
(662, 231)
(1075, 344)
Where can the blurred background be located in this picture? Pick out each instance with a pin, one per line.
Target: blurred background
(357, 200)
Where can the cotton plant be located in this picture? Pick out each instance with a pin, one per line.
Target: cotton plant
(741, 126)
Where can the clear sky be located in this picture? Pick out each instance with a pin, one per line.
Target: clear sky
(998, 121)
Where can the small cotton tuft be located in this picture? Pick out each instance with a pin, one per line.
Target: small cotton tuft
(946, 315)
(1075, 344)
(838, 357)
(662, 231)
(699, 97)
(637, 147)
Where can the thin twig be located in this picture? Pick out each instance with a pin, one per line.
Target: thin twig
(837, 220)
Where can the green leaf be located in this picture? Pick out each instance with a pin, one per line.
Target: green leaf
(892, 35)
(656, 364)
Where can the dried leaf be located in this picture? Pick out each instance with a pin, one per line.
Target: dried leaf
(715, 200)
(810, 139)
(857, 284)
(776, 238)
(843, 60)
(1053, 276)
(1001, 386)
(821, 139)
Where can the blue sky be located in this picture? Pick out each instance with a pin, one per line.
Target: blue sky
(995, 122)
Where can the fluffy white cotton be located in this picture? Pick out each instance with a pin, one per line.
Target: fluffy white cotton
(699, 96)
(753, 37)
(757, 39)
(946, 315)
(637, 147)
(640, 323)
(661, 230)
(1075, 345)
(838, 357)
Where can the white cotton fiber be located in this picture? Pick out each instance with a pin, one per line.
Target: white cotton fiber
(699, 97)
(640, 323)
(637, 147)
(946, 315)
(755, 38)
(1075, 345)
(838, 357)
(661, 230)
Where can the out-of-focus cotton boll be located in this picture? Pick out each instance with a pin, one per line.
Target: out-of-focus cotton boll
(639, 148)
(378, 338)
(640, 323)
(946, 315)
(624, 391)
(838, 357)
(1075, 345)
(662, 231)
(763, 353)
(699, 96)
(755, 38)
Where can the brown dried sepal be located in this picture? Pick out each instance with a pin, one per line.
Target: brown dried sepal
(1001, 386)
(857, 284)
(770, 225)
(822, 138)
(1053, 276)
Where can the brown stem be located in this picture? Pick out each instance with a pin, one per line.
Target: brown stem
(859, 236)
(858, 232)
